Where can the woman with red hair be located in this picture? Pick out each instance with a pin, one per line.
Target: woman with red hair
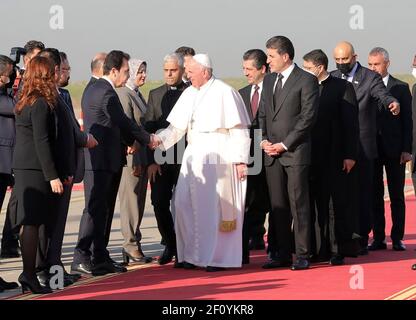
(36, 176)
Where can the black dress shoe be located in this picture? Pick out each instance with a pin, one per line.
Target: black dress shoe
(188, 266)
(399, 246)
(377, 245)
(73, 277)
(178, 265)
(100, 269)
(363, 252)
(166, 257)
(7, 285)
(337, 260)
(81, 268)
(414, 267)
(214, 269)
(300, 264)
(277, 264)
(43, 278)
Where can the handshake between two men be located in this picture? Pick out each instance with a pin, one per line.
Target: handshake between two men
(155, 142)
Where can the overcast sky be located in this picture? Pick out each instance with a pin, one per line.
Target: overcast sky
(225, 29)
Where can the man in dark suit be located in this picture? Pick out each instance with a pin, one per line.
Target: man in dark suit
(394, 141)
(414, 125)
(414, 132)
(288, 108)
(163, 177)
(97, 64)
(69, 140)
(257, 199)
(105, 119)
(371, 95)
(7, 141)
(334, 153)
(187, 53)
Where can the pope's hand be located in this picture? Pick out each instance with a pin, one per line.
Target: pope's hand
(241, 171)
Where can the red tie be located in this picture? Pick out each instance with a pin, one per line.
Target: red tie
(255, 101)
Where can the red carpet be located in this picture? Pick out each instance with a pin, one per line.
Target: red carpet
(386, 274)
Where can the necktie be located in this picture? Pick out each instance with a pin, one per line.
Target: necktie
(278, 89)
(255, 101)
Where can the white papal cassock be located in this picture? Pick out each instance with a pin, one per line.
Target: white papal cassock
(209, 198)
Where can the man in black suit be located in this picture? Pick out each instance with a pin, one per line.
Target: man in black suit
(414, 132)
(163, 177)
(97, 64)
(371, 95)
(105, 119)
(7, 127)
(257, 199)
(187, 53)
(334, 153)
(287, 112)
(7, 141)
(414, 125)
(394, 142)
(69, 139)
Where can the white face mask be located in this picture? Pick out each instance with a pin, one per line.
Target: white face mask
(414, 72)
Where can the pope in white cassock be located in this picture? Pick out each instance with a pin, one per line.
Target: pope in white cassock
(210, 193)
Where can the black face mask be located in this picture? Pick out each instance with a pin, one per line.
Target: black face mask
(344, 68)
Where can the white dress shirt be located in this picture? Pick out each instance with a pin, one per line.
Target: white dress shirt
(108, 79)
(386, 80)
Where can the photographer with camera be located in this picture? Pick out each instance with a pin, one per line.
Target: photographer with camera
(9, 241)
(7, 139)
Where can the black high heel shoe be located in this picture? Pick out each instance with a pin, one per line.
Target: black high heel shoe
(139, 259)
(32, 285)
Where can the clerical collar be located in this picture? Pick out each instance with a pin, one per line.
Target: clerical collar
(95, 77)
(108, 79)
(323, 80)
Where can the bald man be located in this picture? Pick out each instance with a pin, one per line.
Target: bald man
(97, 67)
(371, 94)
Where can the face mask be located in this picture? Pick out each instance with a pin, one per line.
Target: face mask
(414, 72)
(310, 71)
(344, 68)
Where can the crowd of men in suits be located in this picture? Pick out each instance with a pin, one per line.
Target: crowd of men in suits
(325, 138)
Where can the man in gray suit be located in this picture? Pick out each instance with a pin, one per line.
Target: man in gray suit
(287, 112)
(371, 93)
(255, 69)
